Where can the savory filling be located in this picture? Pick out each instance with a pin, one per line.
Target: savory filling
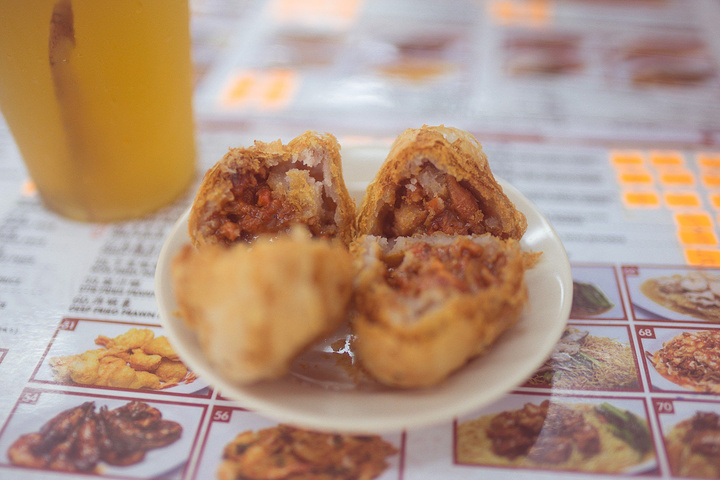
(692, 357)
(698, 288)
(258, 204)
(462, 266)
(433, 201)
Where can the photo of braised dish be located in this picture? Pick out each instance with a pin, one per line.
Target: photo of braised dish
(289, 453)
(696, 294)
(693, 445)
(556, 436)
(81, 439)
(135, 359)
(690, 360)
(588, 362)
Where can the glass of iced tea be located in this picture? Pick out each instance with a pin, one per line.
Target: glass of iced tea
(98, 96)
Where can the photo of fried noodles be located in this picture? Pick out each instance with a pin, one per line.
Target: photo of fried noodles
(135, 359)
(696, 294)
(588, 362)
(690, 360)
(288, 453)
(693, 445)
(556, 436)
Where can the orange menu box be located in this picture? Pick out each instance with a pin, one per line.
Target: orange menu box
(682, 199)
(693, 220)
(675, 177)
(626, 157)
(697, 237)
(708, 159)
(663, 158)
(641, 199)
(636, 176)
(702, 257)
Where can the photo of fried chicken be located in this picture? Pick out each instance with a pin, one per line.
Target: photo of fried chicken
(690, 360)
(558, 436)
(254, 308)
(440, 270)
(80, 439)
(269, 187)
(135, 359)
(288, 453)
(693, 445)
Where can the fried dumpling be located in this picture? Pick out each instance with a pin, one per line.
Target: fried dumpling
(268, 187)
(254, 308)
(427, 304)
(437, 179)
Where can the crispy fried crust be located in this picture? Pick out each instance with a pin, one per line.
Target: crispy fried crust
(306, 187)
(449, 151)
(255, 308)
(411, 339)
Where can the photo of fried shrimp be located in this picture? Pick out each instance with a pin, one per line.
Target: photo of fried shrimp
(135, 359)
(690, 360)
(693, 445)
(695, 293)
(557, 436)
(268, 187)
(288, 453)
(437, 179)
(428, 304)
(254, 308)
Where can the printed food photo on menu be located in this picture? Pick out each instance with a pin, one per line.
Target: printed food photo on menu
(590, 358)
(242, 445)
(676, 294)
(537, 432)
(596, 293)
(683, 359)
(691, 436)
(108, 436)
(114, 355)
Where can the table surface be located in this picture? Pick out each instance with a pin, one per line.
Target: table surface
(605, 114)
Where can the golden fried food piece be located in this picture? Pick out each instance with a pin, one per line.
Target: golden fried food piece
(267, 188)
(170, 371)
(139, 360)
(161, 346)
(133, 338)
(254, 308)
(428, 304)
(437, 179)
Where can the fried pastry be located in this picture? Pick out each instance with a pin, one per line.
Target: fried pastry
(268, 187)
(428, 304)
(437, 179)
(256, 307)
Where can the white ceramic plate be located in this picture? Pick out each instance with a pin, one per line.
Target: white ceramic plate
(517, 354)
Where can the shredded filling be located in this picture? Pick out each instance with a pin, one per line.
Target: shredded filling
(433, 201)
(255, 209)
(462, 266)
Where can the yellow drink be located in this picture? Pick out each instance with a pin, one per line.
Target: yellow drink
(98, 96)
